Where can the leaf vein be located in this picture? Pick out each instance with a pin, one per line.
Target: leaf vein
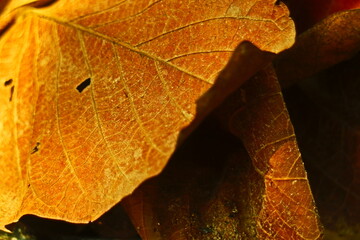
(128, 17)
(97, 12)
(187, 116)
(133, 108)
(199, 52)
(93, 101)
(57, 116)
(204, 21)
(118, 42)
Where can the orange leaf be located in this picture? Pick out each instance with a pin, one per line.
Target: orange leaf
(93, 95)
(288, 210)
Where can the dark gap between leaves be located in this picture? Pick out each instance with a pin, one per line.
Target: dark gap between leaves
(83, 85)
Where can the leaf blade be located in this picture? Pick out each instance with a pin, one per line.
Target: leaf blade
(98, 145)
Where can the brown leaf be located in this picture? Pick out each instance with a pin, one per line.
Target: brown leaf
(217, 191)
(307, 13)
(326, 115)
(201, 194)
(333, 40)
(288, 210)
(93, 96)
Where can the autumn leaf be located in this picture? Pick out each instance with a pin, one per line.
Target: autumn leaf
(331, 41)
(307, 13)
(262, 122)
(324, 110)
(201, 207)
(325, 114)
(93, 96)
(257, 192)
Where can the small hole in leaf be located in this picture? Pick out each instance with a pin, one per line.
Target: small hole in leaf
(83, 85)
(11, 93)
(8, 82)
(126, 94)
(36, 148)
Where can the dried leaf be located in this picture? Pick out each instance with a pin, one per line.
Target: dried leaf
(203, 193)
(326, 115)
(214, 190)
(333, 40)
(93, 95)
(307, 13)
(288, 210)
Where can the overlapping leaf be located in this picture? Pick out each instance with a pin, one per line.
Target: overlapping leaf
(325, 113)
(333, 40)
(218, 190)
(324, 110)
(94, 95)
(288, 210)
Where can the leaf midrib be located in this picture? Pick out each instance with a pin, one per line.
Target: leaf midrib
(114, 41)
(134, 48)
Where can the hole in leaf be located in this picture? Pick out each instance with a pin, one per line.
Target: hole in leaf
(11, 93)
(126, 94)
(83, 85)
(8, 82)
(36, 148)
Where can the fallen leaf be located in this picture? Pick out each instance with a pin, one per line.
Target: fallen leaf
(325, 112)
(288, 210)
(213, 189)
(201, 194)
(93, 95)
(331, 41)
(307, 13)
